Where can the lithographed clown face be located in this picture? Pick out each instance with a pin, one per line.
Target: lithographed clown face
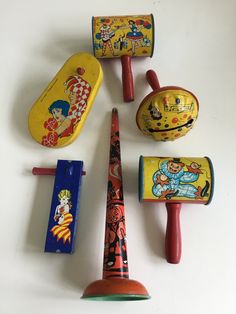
(114, 214)
(167, 114)
(73, 96)
(174, 167)
(105, 27)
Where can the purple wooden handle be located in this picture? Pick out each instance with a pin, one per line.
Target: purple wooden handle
(173, 233)
(127, 79)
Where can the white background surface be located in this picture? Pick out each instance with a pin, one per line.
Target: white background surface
(195, 48)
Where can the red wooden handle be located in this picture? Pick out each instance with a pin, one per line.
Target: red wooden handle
(47, 171)
(44, 171)
(173, 233)
(127, 79)
(152, 79)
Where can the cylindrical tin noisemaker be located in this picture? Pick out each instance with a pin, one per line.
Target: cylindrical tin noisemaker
(175, 181)
(123, 37)
(115, 284)
(167, 113)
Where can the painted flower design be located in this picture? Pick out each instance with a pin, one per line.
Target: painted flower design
(50, 140)
(51, 124)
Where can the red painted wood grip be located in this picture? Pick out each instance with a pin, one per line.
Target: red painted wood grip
(173, 233)
(47, 171)
(152, 79)
(127, 79)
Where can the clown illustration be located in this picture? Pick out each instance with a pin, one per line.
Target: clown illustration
(115, 235)
(106, 33)
(67, 114)
(171, 180)
(65, 204)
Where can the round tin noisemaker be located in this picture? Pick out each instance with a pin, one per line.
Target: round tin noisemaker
(175, 181)
(168, 112)
(123, 37)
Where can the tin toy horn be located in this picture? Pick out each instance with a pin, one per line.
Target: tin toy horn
(124, 37)
(175, 181)
(115, 284)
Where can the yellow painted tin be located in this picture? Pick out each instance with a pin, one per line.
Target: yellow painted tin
(176, 180)
(167, 113)
(115, 36)
(58, 115)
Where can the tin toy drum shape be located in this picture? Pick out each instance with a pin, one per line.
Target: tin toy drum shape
(58, 115)
(115, 284)
(63, 217)
(168, 112)
(124, 37)
(175, 181)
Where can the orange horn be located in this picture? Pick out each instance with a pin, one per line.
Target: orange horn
(115, 284)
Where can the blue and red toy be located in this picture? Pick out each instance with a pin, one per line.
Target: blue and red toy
(63, 216)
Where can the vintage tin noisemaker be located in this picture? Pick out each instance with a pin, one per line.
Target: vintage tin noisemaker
(115, 284)
(168, 112)
(57, 116)
(123, 37)
(175, 181)
(63, 217)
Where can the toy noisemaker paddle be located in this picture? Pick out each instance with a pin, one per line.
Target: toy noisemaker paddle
(63, 218)
(175, 181)
(123, 37)
(58, 115)
(168, 112)
(115, 284)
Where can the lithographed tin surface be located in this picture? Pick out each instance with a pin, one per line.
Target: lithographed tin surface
(167, 179)
(63, 216)
(168, 113)
(57, 117)
(115, 254)
(116, 36)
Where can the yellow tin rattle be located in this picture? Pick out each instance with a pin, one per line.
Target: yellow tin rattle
(58, 115)
(123, 37)
(167, 113)
(175, 181)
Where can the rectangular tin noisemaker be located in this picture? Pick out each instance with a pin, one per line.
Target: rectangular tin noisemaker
(62, 224)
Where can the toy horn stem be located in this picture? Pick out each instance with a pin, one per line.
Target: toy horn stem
(115, 284)
(115, 263)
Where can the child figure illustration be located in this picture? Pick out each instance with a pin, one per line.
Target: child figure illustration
(66, 115)
(135, 35)
(63, 217)
(65, 204)
(172, 180)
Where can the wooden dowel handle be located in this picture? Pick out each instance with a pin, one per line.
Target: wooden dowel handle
(152, 79)
(173, 233)
(47, 171)
(127, 79)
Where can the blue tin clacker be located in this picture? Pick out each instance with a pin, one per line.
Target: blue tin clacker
(63, 216)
